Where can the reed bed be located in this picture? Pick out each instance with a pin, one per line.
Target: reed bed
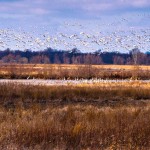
(97, 116)
(12, 94)
(59, 71)
(75, 127)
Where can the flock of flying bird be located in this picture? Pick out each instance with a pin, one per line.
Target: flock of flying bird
(92, 39)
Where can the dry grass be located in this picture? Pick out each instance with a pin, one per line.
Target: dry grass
(75, 127)
(97, 94)
(47, 71)
(97, 116)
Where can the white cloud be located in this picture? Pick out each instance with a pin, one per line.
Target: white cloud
(57, 7)
(38, 11)
(13, 16)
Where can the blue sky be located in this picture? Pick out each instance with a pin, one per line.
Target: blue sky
(103, 20)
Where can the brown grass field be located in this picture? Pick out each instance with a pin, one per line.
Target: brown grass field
(58, 71)
(101, 116)
(83, 116)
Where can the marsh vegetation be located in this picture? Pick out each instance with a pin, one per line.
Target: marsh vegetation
(83, 116)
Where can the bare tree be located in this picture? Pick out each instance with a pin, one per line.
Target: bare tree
(136, 56)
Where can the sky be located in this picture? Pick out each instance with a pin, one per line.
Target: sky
(89, 25)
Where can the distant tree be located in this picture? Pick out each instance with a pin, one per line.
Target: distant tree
(10, 58)
(77, 59)
(135, 55)
(57, 59)
(75, 51)
(23, 60)
(36, 60)
(118, 60)
(66, 59)
(45, 60)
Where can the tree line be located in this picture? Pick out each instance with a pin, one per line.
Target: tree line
(51, 56)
